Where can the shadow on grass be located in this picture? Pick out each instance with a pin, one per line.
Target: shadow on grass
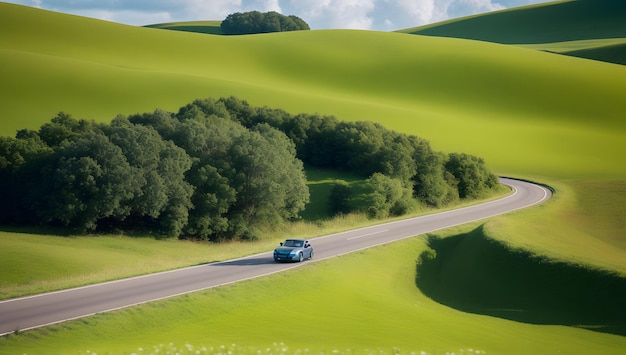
(262, 260)
(39, 230)
(56, 231)
(473, 273)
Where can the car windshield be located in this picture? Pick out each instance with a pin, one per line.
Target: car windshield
(292, 243)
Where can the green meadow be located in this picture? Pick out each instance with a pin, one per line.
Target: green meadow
(532, 114)
(362, 303)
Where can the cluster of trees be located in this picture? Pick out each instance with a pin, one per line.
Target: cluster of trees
(201, 176)
(216, 169)
(261, 22)
(402, 170)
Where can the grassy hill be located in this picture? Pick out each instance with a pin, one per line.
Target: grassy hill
(610, 50)
(437, 88)
(592, 29)
(528, 113)
(557, 21)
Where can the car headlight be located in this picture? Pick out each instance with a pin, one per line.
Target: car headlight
(294, 253)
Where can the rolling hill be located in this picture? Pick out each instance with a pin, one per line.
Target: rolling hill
(437, 88)
(557, 21)
(592, 29)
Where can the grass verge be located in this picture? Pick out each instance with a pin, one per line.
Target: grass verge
(361, 303)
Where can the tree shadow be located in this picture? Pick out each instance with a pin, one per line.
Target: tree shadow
(473, 273)
(37, 230)
(65, 232)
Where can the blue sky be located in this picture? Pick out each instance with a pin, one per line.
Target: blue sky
(381, 15)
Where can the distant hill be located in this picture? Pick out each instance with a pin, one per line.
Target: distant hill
(543, 23)
(209, 27)
(547, 26)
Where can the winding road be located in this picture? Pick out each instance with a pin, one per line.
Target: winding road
(49, 308)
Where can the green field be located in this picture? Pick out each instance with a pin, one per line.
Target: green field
(365, 302)
(532, 114)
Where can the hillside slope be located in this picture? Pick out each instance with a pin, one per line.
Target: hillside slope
(557, 21)
(523, 110)
(593, 28)
(611, 50)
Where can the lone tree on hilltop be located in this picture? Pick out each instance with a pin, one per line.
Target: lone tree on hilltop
(261, 22)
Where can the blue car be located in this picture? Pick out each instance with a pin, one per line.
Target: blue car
(293, 250)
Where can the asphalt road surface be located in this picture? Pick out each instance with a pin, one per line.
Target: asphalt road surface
(41, 310)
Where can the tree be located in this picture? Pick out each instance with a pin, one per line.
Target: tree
(87, 179)
(242, 177)
(256, 22)
(358, 144)
(268, 178)
(173, 164)
(203, 108)
(141, 147)
(208, 140)
(160, 120)
(161, 191)
(471, 174)
(395, 157)
(212, 199)
(315, 140)
(388, 197)
(61, 128)
(339, 199)
(289, 171)
(433, 184)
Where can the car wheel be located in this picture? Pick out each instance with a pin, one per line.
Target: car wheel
(311, 256)
(300, 257)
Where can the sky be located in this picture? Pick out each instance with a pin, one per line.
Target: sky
(379, 15)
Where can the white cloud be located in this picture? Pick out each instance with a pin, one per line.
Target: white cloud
(420, 11)
(144, 12)
(353, 14)
(269, 5)
(471, 7)
(359, 14)
(410, 13)
(207, 10)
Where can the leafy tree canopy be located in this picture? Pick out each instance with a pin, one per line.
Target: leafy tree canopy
(218, 170)
(261, 22)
